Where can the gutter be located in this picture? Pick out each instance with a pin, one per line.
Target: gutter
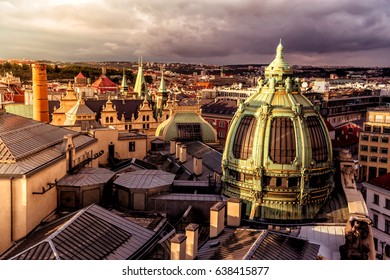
(12, 208)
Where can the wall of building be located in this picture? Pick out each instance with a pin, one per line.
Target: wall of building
(33, 200)
(5, 214)
(108, 136)
(378, 209)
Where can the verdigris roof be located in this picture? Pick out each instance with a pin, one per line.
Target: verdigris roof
(26, 145)
(93, 233)
(171, 128)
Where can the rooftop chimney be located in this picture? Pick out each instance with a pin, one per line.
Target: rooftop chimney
(177, 152)
(192, 233)
(234, 206)
(197, 165)
(217, 218)
(183, 153)
(178, 247)
(172, 147)
(40, 99)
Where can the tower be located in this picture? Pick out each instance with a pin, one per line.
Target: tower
(140, 84)
(40, 99)
(124, 86)
(278, 154)
(161, 96)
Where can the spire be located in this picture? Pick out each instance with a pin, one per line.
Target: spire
(124, 85)
(162, 87)
(140, 83)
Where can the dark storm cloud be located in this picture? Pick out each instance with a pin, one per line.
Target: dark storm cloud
(218, 31)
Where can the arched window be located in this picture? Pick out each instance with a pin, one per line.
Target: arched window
(107, 119)
(317, 139)
(111, 119)
(243, 140)
(282, 148)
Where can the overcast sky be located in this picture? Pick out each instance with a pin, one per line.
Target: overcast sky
(313, 32)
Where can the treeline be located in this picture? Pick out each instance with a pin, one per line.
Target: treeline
(64, 73)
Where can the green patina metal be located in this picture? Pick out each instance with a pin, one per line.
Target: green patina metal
(288, 174)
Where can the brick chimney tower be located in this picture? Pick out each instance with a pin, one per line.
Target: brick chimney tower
(40, 99)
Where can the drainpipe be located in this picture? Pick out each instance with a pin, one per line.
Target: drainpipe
(12, 209)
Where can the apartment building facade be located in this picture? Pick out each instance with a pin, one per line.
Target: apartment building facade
(374, 144)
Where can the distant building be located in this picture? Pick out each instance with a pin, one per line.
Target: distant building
(374, 144)
(104, 85)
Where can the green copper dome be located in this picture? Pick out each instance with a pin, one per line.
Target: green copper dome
(278, 154)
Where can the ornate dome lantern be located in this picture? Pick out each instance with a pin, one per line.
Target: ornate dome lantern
(278, 154)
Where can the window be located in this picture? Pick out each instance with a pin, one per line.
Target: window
(387, 250)
(374, 159)
(363, 158)
(386, 129)
(189, 131)
(384, 150)
(111, 119)
(376, 243)
(375, 221)
(373, 149)
(221, 124)
(282, 147)
(385, 139)
(383, 160)
(131, 146)
(387, 204)
(364, 137)
(387, 226)
(367, 128)
(379, 118)
(376, 199)
(374, 138)
(364, 148)
(243, 140)
(382, 171)
(221, 134)
(377, 129)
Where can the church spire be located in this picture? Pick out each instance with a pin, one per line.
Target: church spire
(162, 87)
(124, 85)
(140, 83)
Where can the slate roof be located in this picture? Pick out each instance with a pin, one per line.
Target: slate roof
(221, 107)
(26, 145)
(211, 158)
(88, 176)
(251, 244)
(92, 233)
(145, 179)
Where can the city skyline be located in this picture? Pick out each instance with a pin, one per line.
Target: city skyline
(210, 32)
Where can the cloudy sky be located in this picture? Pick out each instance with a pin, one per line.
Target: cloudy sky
(313, 32)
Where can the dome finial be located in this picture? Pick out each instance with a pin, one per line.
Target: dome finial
(279, 49)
